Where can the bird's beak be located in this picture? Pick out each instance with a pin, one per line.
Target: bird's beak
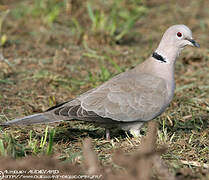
(194, 43)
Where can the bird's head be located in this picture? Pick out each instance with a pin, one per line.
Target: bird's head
(178, 36)
(173, 41)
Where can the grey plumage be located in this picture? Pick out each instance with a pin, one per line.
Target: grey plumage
(130, 98)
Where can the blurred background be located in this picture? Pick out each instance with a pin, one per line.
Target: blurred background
(54, 50)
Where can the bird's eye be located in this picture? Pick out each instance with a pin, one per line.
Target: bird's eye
(179, 34)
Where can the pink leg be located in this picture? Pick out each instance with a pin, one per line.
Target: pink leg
(107, 134)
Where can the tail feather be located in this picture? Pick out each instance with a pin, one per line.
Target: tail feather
(32, 119)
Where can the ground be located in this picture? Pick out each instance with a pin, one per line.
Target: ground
(57, 50)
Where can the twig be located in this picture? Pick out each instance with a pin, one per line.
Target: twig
(195, 163)
(161, 169)
(90, 158)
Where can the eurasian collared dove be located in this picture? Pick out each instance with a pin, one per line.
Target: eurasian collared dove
(130, 98)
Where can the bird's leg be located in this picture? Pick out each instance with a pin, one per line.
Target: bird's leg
(107, 134)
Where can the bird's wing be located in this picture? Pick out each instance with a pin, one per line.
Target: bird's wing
(124, 98)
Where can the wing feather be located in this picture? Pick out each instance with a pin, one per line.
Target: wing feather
(124, 98)
(129, 98)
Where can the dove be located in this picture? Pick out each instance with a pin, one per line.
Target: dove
(129, 99)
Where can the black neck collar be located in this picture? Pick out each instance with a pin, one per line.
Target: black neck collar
(158, 57)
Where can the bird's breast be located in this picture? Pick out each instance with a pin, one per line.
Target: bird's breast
(170, 89)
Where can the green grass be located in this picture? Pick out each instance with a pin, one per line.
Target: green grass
(10, 146)
(46, 10)
(119, 20)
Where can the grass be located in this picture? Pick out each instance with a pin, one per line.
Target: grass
(46, 10)
(55, 59)
(118, 21)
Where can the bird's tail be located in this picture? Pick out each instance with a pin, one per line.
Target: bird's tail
(32, 119)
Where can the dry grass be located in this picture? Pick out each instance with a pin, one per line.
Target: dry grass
(143, 164)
